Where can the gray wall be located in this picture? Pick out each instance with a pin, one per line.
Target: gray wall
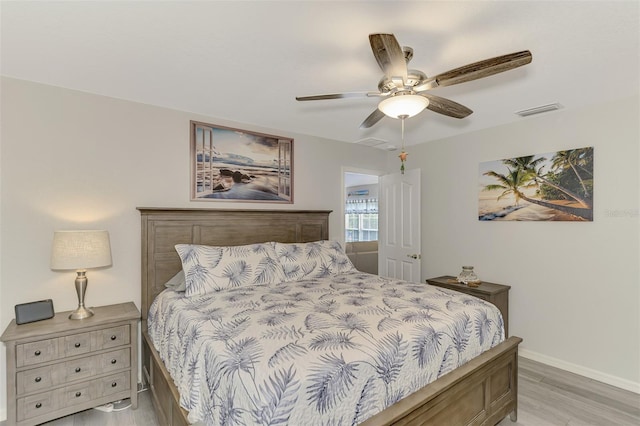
(575, 296)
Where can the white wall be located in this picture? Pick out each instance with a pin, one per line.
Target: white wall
(575, 287)
(73, 160)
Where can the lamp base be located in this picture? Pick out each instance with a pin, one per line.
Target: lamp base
(81, 289)
(81, 313)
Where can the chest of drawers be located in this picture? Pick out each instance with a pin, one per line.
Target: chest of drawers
(60, 366)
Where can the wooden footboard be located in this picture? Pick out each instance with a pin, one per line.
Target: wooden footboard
(481, 392)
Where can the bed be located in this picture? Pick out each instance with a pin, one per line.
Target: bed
(482, 391)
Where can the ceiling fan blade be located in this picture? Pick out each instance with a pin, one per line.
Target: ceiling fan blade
(389, 55)
(477, 70)
(339, 96)
(446, 106)
(372, 119)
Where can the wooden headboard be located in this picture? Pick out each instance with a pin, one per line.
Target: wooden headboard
(163, 228)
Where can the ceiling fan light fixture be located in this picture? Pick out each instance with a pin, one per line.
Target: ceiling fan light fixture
(403, 105)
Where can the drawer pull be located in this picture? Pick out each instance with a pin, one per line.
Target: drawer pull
(78, 394)
(114, 384)
(78, 369)
(77, 345)
(37, 353)
(38, 379)
(38, 405)
(113, 361)
(113, 337)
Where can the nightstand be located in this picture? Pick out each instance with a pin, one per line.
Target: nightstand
(60, 366)
(498, 294)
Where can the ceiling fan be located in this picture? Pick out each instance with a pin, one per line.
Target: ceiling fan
(406, 91)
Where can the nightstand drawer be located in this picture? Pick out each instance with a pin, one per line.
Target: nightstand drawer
(76, 344)
(56, 374)
(36, 352)
(78, 369)
(36, 405)
(79, 393)
(70, 371)
(113, 384)
(76, 394)
(35, 380)
(115, 360)
(112, 337)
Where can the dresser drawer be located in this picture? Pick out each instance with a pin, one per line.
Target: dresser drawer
(67, 346)
(68, 396)
(36, 352)
(78, 369)
(36, 405)
(70, 371)
(76, 344)
(76, 394)
(115, 360)
(113, 384)
(35, 379)
(112, 337)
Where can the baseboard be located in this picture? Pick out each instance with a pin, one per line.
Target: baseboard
(3, 416)
(582, 371)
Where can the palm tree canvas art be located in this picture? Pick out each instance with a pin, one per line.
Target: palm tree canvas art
(556, 186)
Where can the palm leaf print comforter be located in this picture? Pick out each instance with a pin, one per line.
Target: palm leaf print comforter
(328, 351)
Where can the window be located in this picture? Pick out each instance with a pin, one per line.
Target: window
(361, 220)
(284, 169)
(205, 153)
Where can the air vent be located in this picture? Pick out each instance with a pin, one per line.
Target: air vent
(539, 109)
(376, 143)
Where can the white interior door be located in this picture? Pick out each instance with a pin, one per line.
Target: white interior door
(399, 226)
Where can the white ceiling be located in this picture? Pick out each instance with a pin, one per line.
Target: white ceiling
(246, 61)
(358, 179)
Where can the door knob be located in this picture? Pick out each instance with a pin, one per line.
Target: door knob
(414, 256)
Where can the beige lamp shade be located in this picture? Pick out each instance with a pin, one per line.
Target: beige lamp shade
(80, 250)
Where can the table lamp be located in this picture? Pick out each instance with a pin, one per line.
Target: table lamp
(80, 250)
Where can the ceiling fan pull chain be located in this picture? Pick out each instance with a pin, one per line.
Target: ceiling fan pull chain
(403, 154)
(402, 134)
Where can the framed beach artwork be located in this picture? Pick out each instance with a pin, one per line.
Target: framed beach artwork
(238, 165)
(556, 186)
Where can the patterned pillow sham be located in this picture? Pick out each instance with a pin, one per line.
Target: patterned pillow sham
(312, 260)
(208, 269)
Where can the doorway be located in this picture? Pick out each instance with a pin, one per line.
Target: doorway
(361, 193)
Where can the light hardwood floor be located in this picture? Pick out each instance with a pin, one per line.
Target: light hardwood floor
(548, 397)
(552, 397)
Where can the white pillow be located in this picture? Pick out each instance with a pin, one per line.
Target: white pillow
(177, 282)
(209, 269)
(312, 260)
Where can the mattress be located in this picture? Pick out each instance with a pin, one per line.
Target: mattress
(326, 351)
